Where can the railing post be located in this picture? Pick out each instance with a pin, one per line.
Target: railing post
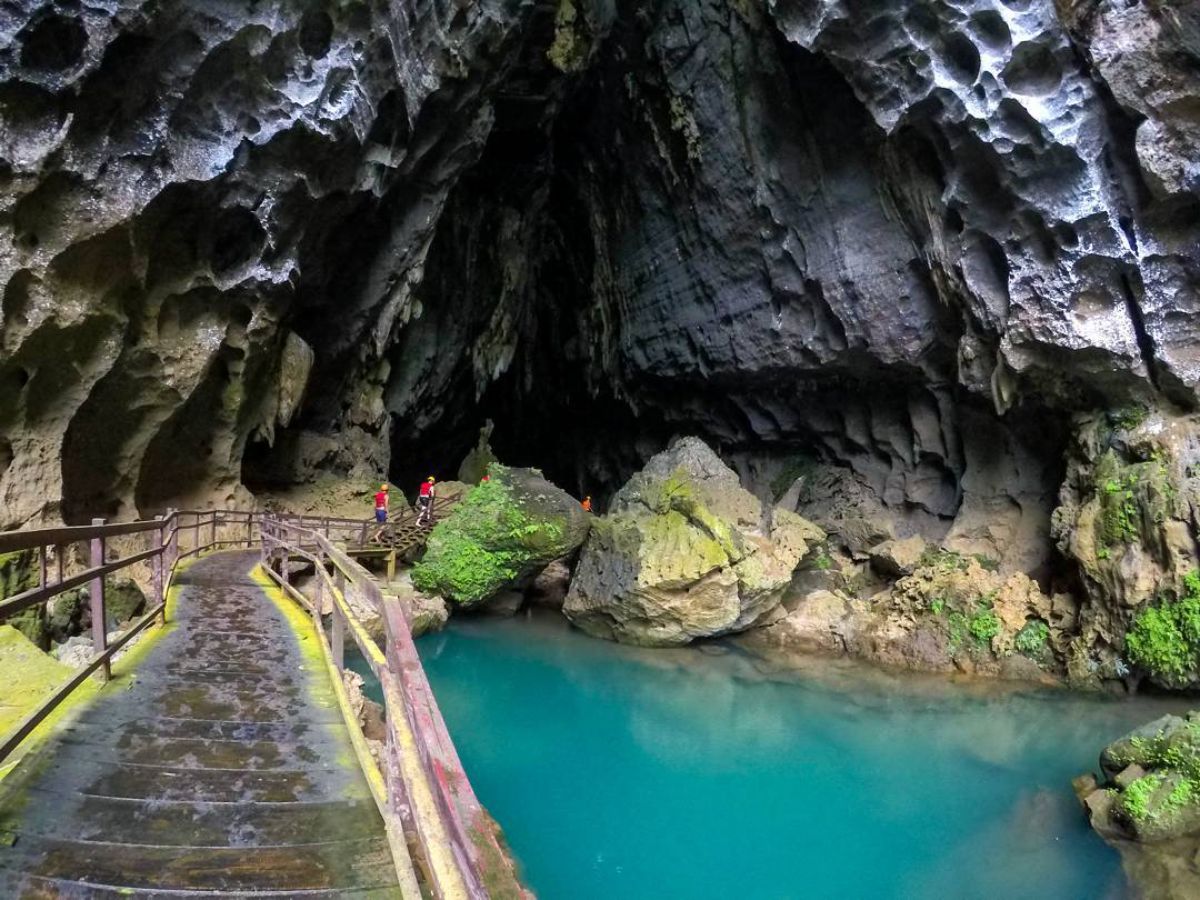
(249, 530)
(59, 553)
(391, 565)
(99, 630)
(43, 552)
(173, 520)
(338, 638)
(196, 533)
(158, 567)
(214, 527)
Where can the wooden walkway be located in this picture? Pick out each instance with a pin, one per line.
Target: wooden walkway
(222, 767)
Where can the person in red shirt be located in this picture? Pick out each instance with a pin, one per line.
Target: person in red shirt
(381, 509)
(425, 501)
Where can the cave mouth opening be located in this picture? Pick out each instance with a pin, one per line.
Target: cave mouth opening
(543, 223)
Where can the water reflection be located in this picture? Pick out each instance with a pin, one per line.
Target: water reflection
(624, 773)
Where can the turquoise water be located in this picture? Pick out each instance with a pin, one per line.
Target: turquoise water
(621, 773)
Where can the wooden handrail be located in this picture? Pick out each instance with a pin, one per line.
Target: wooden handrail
(462, 837)
(165, 556)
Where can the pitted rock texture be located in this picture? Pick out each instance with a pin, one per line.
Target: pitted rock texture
(205, 209)
(262, 245)
(685, 553)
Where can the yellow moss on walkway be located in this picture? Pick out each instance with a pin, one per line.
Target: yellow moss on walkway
(123, 668)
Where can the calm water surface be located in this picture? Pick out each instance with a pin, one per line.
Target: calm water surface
(621, 773)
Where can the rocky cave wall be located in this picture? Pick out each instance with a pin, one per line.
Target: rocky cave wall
(260, 244)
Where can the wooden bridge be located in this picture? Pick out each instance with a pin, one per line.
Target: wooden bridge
(222, 755)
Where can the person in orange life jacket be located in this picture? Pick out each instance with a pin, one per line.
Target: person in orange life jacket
(381, 509)
(425, 501)
(587, 503)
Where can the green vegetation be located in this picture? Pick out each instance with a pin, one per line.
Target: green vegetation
(984, 626)
(1131, 493)
(1137, 796)
(823, 562)
(569, 52)
(1129, 418)
(958, 627)
(1172, 759)
(953, 561)
(18, 573)
(483, 545)
(943, 560)
(1033, 639)
(986, 562)
(1165, 639)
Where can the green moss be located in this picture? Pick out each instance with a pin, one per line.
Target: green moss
(943, 560)
(482, 545)
(823, 562)
(1165, 639)
(1033, 639)
(572, 45)
(123, 600)
(678, 493)
(958, 627)
(1131, 494)
(987, 563)
(984, 626)
(1129, 418)
(1138, 795)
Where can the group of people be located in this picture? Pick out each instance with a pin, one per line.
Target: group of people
(425, 498)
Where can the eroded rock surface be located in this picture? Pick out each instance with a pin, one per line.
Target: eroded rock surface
(685, 552)
(949, 613)
(885, 251)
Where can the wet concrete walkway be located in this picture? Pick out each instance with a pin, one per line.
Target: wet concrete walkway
(222, 766)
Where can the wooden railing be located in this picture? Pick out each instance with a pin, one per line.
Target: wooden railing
(427, 791)
(172, 538)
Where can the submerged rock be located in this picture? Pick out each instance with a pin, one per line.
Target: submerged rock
(1147, 805)
(684, 553)
(505, 530)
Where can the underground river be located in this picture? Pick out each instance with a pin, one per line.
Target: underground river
(619, 772)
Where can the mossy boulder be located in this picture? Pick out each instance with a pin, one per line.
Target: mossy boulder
(67, 615)
(504, 531)
(19, 573)
(1147, 804)
(685, 553)
(123, 600)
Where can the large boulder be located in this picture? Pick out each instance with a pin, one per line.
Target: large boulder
(1147, 805)
(684, 554)
(504, 531)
